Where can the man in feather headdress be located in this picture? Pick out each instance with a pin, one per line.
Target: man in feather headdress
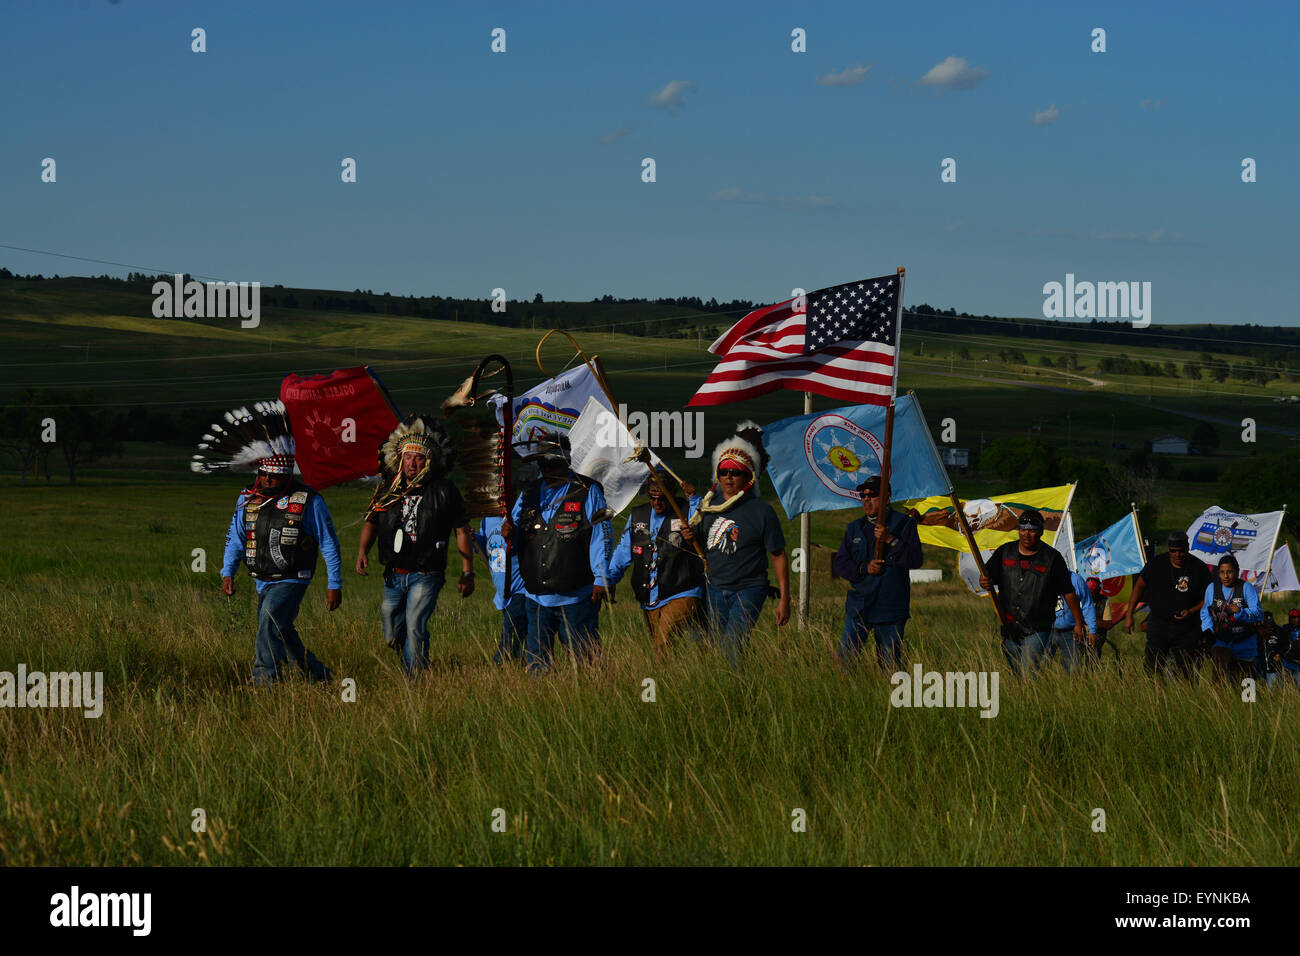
(412, 514)
(280, 529)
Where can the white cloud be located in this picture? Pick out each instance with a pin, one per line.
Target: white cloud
(849, 76)
(671, 97)
(1046, 117)
(615, 136)
(954, 73)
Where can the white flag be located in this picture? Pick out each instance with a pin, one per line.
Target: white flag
(970, 573)
(1281, 577)
(552, 406)
(599, 444)
(1248, 538)
(1064, 542)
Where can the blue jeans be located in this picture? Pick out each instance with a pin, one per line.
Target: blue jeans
(731, 617)
(409, 600)
(578, 626)
(277, 641)
(1071, 651)
(889, 642)
(1281, 676)
(514, 630)
(1025, 655)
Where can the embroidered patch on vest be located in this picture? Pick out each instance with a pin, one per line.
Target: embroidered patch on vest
(573, 506)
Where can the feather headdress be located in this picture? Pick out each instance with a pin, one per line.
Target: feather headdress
(744, 447)
(257, 440)
(421, 433)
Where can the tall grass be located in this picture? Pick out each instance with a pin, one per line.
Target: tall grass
(583, 768)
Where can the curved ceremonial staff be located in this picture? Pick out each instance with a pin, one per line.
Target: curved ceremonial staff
(643, 453)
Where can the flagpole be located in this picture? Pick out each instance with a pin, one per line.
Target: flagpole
(975, 553)
(1272, 549)
(805, 530)
(1137, 529)
(883, 514)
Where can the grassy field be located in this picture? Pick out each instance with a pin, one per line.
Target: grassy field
(98, 578)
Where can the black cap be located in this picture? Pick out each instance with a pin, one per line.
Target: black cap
(1178, 538)
(872, 485)
(1031, 519)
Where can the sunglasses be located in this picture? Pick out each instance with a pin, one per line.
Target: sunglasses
(731, 473)
(869, 494)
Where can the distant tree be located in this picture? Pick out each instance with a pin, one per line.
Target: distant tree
(1262, 483)
(84, 431)
(1191, 371)
(537, 299)
(964, 354)
(1029, 462)
(20, 430)
(1171, 370)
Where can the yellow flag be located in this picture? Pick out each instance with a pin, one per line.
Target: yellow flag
(993, 520)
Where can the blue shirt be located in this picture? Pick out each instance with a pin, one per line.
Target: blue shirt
(601, 540)
(1248, 615)
(493, 547)
(315, 521)
(1064, 619)
(622, 559)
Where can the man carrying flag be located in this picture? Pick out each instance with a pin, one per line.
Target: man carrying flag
(876, 558)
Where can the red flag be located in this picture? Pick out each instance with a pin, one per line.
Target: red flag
(842, 344)
(339, 421)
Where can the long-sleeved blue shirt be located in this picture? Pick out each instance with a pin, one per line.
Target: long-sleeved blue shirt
(1248, 615)
(316, 523)
(1064, 619)
(601, 540)
(493, 547)
(622, 559)
(879, 598)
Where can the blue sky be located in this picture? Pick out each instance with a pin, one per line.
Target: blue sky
(523, 169)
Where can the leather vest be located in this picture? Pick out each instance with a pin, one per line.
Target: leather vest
(678, 567)
(1229, 630)
(413, 531)
(1023, 593)
(276, 545)
(555, 555)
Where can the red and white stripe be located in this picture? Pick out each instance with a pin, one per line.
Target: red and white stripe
(763, 352)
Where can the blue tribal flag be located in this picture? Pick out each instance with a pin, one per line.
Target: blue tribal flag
(1112, 553)
(819, 460)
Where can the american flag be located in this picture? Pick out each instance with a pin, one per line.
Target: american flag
(842, 347)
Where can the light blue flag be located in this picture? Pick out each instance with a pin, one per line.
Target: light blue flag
(1111, 553)
(819, 460)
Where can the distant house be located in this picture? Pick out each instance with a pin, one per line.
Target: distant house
(955, 457)
(1169, 445)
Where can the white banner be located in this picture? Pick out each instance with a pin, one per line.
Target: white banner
(1064, 542)
(599, 443)
(1248, 538)
(553, 406)
(1281, 577)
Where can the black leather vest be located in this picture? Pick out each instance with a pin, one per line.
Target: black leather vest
(555, 555)
(678, 566)
(419, 544)
(276, 545)
(1230, 630)
(1023, 593)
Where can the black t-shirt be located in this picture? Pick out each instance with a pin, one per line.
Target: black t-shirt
(1170, 590)
(737, 542)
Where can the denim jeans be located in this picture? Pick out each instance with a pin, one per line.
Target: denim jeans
(409, 600)
(277, 641)
(731, 617)
(514, 630)
(889, 642)
(578, 626)
(1281, 676)
(1025, 655)
(1071, 651)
